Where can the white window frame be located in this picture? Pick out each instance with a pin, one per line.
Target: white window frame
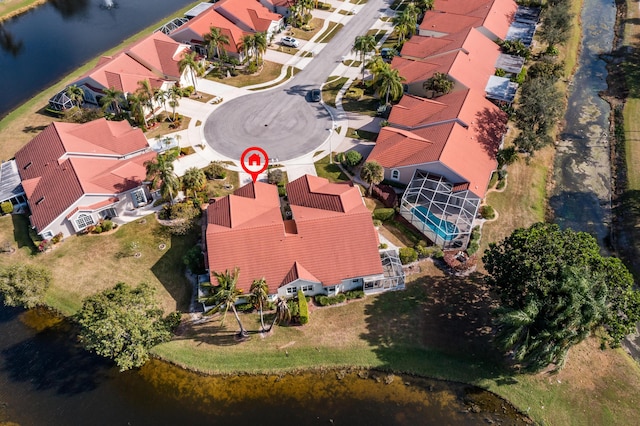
(307, 288)
(139, 197)
(82, 222)
(292, 290)
(47, 235)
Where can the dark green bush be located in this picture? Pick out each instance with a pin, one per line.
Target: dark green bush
(294, 309)
(275, 176)
(341, 298)
(408, 255)
(303, 308)
(6, 207)
(487, 212)
(384, 214)
(352, 158)
(215, 170)
(194, 260)
(354, 294)
(244, 307)
(98, 229)
(322, 300)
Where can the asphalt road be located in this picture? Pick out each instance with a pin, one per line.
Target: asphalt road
(283, 121)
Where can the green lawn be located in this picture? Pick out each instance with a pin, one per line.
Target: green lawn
(331, 88)
(330, 32)
(330, 171)
(270, 71)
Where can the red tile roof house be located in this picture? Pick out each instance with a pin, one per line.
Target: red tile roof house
(444, 149)
(469, 59)
(154, 58)
(235, 18)
(491, 17)
(281, 7)
(327, 245)
(76, 174)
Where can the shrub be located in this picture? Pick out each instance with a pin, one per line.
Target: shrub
(57, 238)
(500, 72)
(282, 191)
(408, 255)
(383, 246)
(303, 308)
(107, 225)
(384, 214)
(487, 212)
(341, 298)
(187, 150)
(194, 260)
(294, 309)
(322, 300)
(354, 93)
(377, 222)
(354, 294)
(472, 247)
(98, 229)
(352, 158)
(501, 184)
(6, 207)
(275, 176)
(244, 307)
(215, 170)
(252, 68)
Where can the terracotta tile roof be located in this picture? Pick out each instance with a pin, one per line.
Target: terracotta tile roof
(466, 140)
(249, 232)
(494, 15)
(471, 69)
(250, 13)
(66, 161)
(448, 23)
(281, 3)
(195, 29)
(95, 206)
(154, 58)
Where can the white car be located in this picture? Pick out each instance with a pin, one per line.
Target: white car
(290, 41)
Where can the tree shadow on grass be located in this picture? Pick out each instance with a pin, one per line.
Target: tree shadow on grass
(438, 326)
(169, 269)
(210, 332)
(21, 232)
(53, 360)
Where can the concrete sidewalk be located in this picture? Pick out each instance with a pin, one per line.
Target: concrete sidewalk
(336, 141)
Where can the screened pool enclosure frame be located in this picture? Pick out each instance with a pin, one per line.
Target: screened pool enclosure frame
(443, 211)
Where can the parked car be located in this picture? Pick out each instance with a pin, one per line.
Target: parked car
(387, 53)
(290, 41)
(314, 95)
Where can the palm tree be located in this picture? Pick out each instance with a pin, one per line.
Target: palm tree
(112, 99)
(423, 5)
(405, 23)
(160, 171)
(439, 83)
(372, 173)
(225, 296)
(258, 296)
(136, 106)
(160, 96)
(214, 40)
(363, 45)
(388, 82)
(75, 94)
(282, 313)
(260, 45)
(190, 62)
(247, 45)
(174, 95)
(193, 180)
(145, 91)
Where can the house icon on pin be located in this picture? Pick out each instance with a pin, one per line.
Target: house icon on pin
(255, 160)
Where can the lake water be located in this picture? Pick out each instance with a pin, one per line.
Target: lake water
(39, 48)
(46, 379)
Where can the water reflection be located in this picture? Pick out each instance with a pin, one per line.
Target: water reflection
(40, 361)
(70, 8)
(9, 43)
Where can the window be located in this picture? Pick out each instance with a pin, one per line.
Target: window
(47, 235)
(307, 288)
(292, 290)
(395, 174)
(139, 198)
(108, 213)
(83, 221)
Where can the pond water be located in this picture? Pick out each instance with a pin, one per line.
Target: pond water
(581, 198)
(40, 47)
(45, 378)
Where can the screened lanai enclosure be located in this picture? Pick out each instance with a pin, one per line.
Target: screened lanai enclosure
(443, 211)
(61, 101)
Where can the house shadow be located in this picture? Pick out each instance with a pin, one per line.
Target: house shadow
(21, 232)
(437, 322)
(55, 362)
(491, 126)
(33, 129)
(170, 268)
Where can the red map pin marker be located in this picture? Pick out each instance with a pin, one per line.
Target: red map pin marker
(254, 161)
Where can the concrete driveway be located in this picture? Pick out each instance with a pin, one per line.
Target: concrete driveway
(281, 120)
